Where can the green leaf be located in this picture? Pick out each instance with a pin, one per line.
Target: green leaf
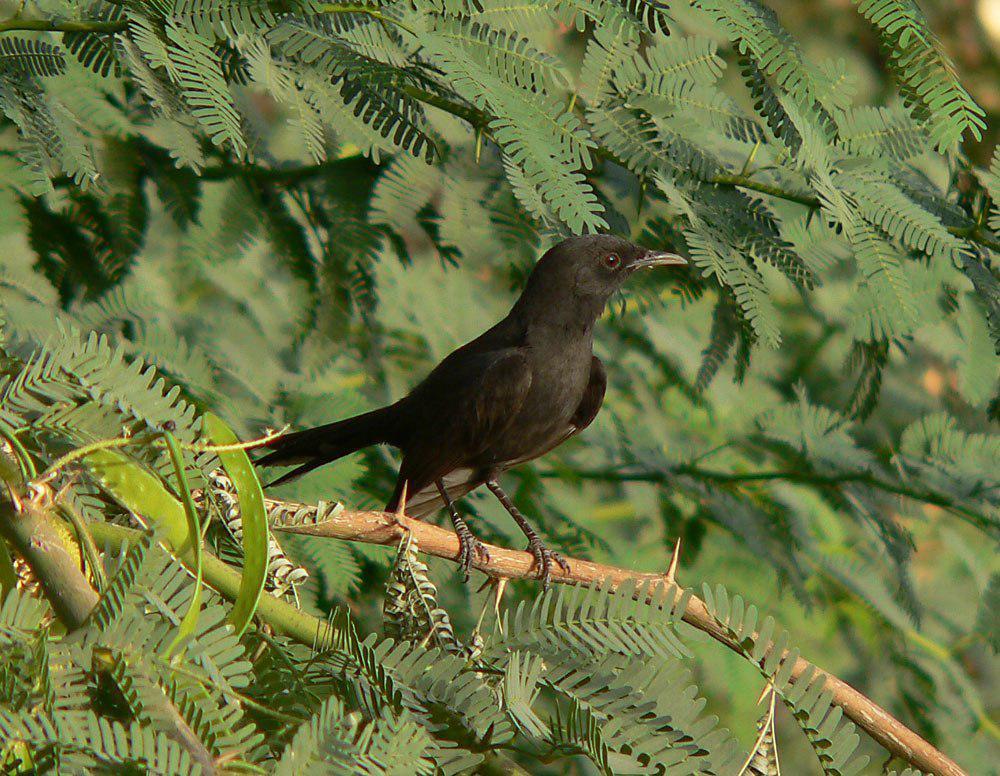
(254, 519)
(197, 70)
(520, 690)
(927, 76)
(977, 365)
(190, 620)
(31, 57)
(142, 492)
(988, 619)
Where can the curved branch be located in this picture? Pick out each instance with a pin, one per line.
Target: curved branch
(388, 528)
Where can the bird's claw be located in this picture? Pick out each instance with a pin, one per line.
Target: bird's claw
(544, 558)
(469, 548)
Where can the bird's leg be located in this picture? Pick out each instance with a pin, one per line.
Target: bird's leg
(543, 555)
(469, 545)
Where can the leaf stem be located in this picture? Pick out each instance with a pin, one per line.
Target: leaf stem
(28, 471)
(86, 542)
(115, 442)
(82, 452)
(56, 25)
(657, 476)
(746, 182)
(246, 700)
(334, 8)
(282, 616)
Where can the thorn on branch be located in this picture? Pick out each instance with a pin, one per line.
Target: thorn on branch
(671, 575)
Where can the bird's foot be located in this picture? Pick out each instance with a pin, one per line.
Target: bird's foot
(469, 548)
(544, 557)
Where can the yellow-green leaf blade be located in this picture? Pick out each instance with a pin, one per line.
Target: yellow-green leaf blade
(139, 490)
(253, 516)
(190, 620)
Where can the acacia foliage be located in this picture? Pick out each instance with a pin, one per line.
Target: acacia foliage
(641, 98)
(250, 199)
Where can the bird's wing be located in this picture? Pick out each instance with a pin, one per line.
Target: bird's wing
(593, 397)
(461, 481)
(462, 410)
(497, 398)
(586, 411)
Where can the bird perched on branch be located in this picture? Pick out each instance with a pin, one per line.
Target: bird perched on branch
(510, 395)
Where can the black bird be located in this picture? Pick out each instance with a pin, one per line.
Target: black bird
(508, 396)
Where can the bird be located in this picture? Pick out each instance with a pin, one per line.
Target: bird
(510, 395)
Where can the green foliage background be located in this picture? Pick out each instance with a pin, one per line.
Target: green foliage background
(293, 210)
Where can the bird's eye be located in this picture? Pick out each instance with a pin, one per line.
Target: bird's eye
(612, 261)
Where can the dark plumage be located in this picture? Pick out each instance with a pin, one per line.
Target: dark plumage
(508, 396)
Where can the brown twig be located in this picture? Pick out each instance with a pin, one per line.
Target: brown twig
(387, 528)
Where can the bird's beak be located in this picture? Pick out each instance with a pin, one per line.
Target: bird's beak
(658, 259)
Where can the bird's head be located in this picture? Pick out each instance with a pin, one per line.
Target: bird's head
(586, 271)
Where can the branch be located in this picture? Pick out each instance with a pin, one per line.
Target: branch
(54, 25)
(663, 477)
(974, 232)
(31, 526)
(98, 26)
(387, 529)
(281, 615)
(476, 118)
(479, 121)
(290, 173)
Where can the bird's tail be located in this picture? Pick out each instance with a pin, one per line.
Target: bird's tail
(317, 446)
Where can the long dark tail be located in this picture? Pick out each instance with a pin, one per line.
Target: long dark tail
(315, 447)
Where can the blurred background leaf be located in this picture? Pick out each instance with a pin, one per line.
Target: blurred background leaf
(293, 213)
